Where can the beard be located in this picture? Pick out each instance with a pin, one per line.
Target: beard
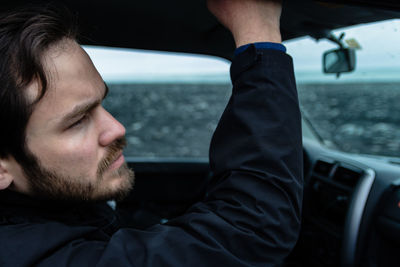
(45, 182)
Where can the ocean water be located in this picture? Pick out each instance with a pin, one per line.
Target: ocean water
(167, 119)
(358, 117)
(177, 119)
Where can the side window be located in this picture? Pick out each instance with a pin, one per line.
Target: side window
(169, 103)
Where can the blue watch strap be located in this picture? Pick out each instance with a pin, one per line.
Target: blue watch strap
(262, 45)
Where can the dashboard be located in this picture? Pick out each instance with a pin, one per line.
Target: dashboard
(351, 210)
(351, 205)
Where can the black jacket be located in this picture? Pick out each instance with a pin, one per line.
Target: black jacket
(250, 216)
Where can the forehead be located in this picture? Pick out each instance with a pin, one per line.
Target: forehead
(68, 65)
(72, 79)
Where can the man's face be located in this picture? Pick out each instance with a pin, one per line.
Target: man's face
(76, 144)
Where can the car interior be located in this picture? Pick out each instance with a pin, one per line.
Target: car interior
(351, 205)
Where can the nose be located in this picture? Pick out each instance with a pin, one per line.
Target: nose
(110, 128)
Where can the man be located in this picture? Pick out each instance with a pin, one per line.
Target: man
(61, 155)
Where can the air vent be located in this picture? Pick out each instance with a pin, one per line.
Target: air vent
(347, 176)
(323, 168)
(331, 186)
(329, 193)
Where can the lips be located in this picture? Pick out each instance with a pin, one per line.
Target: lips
(117, 162)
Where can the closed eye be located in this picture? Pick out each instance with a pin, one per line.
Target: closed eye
(79, 122)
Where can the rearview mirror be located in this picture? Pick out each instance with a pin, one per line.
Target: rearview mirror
(339, 60)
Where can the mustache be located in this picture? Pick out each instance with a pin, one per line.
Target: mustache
(113, 151)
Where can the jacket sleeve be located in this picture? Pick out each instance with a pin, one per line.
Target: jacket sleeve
(251, 214)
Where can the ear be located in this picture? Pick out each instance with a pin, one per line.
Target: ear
(5, 176)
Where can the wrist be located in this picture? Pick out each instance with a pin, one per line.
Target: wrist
(249, 37)
(257, 33)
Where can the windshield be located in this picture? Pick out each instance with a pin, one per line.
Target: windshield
(170, 103)
(359, 112)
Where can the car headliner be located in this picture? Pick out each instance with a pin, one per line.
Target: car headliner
(187, 26)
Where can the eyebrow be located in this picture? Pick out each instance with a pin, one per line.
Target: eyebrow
(80, 110)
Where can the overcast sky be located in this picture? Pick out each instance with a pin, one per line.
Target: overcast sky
(380, 48)
(380, 45)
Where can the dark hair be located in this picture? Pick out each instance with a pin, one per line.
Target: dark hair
(25, 35)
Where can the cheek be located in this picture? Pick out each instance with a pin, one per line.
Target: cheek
(79, 153)
(72, 155)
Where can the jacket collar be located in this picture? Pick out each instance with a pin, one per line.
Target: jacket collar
(20, 208)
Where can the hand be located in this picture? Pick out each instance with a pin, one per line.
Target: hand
(249, 21)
